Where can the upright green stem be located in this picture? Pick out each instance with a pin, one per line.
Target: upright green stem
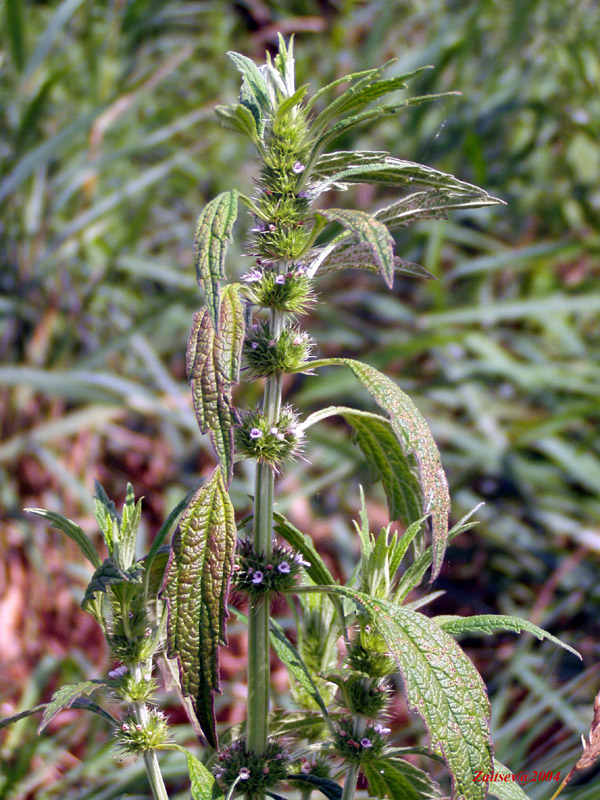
(150, 760)
(259, 674)
(351, 778)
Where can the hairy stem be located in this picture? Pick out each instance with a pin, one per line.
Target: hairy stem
(259, 676)
(351, 778)
(150, 760)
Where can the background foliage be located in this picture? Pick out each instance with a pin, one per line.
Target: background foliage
(109, 148)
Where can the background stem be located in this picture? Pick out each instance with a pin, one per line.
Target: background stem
(259, 674)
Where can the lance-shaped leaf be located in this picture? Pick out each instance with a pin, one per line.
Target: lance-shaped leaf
(413, 432)
(397, 778)
(196, 589)
(126, 535)
(353, 255)
(327, 787)
(213, 232)
(239, 118)
(73, 531)
(330, 163)
(369, 232)
(254, 93)
(433, 204)
(213, 364)
(442, 686)
(82, 703)
(385, 456)
(66, 696)
(490, 623)
(398, 172)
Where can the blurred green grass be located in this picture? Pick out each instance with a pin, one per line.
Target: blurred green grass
(108, 149)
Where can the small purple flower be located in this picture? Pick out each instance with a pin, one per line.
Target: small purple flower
(366, 742)
(255, 433)
(244, 773)
(252, 275)
(219, 773)
(258, 576)
(298, 167)
(378, 728)
(274, 431)
(284, 567)
(118, 672)
(280, 279)
(254, 345)
(299, 560)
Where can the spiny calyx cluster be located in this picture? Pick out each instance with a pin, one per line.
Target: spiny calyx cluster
(269, 442)
(251, 772)
(256, 573)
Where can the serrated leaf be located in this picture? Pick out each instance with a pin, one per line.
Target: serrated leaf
(196, 590)
(398, 172)
(442, 686)
(361, 94)
(433, 204)
(239, 118)
(213, 365)
(346, 79)
(106, 515)
(397, 779)
(327, 787)
(204, 786)
(413, 432)
(126, 539)
(66, 696)
(490, 623)
(72, 530)
(369, 232)
(213, 232)
(353, 255)
(109, 574)
(254, 93)
(389, 463)
(330, 163)
(505, 790)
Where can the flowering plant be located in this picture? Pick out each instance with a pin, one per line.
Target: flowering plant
(350, 639)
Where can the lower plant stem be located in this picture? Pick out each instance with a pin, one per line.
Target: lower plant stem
(259, 674)
(150, 760)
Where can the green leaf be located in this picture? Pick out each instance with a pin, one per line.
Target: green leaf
(66, 696)
(413, 432)
(213, 364)
(441, 685)
(164, 531)
(317, 571)
(331, 789)
(369, 232)
(254, 93)
(433, 204)
(505, 790)
(346, 79)
(490, 623)
(397, 779)
(398, 172)
(353, 255)
(72, 530)
(290, 102)
(196, 589)
(82, 704)
(330, 163)
(388, 463)
(361, 94)
(204, 786)
(294, 664)
(239, 118)
(106, 515)
(107, 575)
(213, 232)
(126, 540)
